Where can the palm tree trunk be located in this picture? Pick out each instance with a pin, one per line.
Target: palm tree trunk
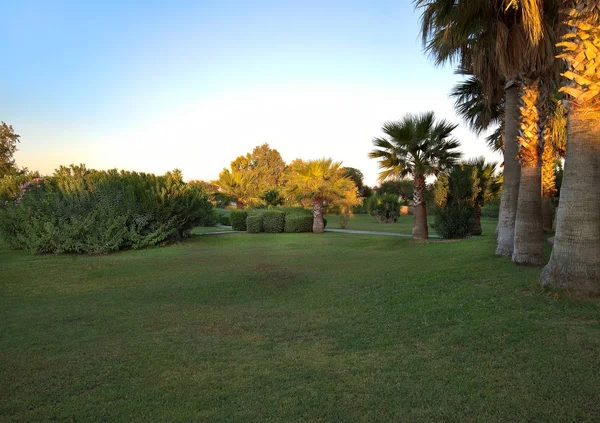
(529, 236)
(318, 224)
(512, 174)
(476, 225)
(575, 261)
(548, 186)
(420, 230)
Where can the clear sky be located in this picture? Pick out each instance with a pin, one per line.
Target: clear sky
(156, 85)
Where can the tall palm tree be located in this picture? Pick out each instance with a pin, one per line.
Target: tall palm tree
(321, 182)
(418, 146)
(499, 42)
(485, 178)
(575, 261)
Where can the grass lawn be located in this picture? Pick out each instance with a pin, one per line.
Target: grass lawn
(293, 328)
(404, 224)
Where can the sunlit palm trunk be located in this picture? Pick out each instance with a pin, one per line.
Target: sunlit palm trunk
(318, 224)
(575, 261)
(548, 186)
(512, 175)
(420, 230)
(528, 248)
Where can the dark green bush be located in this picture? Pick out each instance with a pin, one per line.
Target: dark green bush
(298, 223)
(273, 221)
(491, 209)
(324, 222)
(453, 221)
(225, 220)
(86, 211)
(254, 223)
(238, 220)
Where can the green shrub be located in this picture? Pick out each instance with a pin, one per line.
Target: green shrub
(453, 221)
(491, 209)
(324, 222)
(254, 223)
(78, 210)
(298, 223)
(225, 220)
(384, 207)
(273, 221)
(238, 220)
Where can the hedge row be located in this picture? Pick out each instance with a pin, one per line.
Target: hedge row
(290, 220)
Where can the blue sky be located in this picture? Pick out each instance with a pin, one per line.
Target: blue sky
(154, 85)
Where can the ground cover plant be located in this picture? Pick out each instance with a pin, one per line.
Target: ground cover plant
(264, 329)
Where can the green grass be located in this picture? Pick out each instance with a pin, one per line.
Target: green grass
(404, 224)
(205, 229)
(292, 328)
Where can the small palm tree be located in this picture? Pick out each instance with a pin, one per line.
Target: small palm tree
(321, 182)
(416, 146)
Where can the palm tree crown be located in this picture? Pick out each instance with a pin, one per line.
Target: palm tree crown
(416, 145)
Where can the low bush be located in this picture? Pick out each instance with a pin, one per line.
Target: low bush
(453, 221)
(298, 223)
(491, 209)
(384, 207)
(78, 210)
(238, 220)
(254, 223)
(273, 221)
(225, 220)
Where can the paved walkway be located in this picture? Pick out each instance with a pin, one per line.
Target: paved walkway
(342, 231)
(352, 231)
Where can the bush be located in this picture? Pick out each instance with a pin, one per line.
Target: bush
(491, 209)
(453, 221)
(86, 211)
(238, 220)
(254, 223)
(384, 207)
(225, 220)
(273, 221)
(298, 223)
(324, 222)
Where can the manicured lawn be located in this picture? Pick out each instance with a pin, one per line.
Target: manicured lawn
(293, 328)
(404, 224)
(205, 229)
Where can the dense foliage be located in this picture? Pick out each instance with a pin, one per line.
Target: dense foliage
(238, 220)
(384, 207)
(254, 223)
(8, 147)
(273, 221)
(87, 211)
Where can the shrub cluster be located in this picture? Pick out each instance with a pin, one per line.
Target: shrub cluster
(298, 223)
(254, 223)
(384, 207)
(491, 209)
(454, 221)
(238, 220)
(85, 211)
(273, 221)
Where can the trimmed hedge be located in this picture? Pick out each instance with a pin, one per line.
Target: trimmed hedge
(238, 220)
(225, 220)
(273, 221)
(254, 223)
(298, 223)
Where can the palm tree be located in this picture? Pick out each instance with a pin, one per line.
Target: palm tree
(497, 41)
(321, 182)
(242, 187)
(575, 261)
(416, 146)
(485, 178)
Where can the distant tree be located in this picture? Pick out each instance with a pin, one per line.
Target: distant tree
(403, 188)
(356, 175)
(8, 147)
(273, 198)
(320, 182)
(416, 146)
(252, 175)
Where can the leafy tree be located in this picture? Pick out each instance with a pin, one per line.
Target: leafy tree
(403, 188)
(384, 207)
(251, 176)
(273, 198)
(320, 183)
(356, 175)
(8, 147)
(416, 146)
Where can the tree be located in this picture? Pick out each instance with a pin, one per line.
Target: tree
(575, 261)
(356, 175)
(8, 147)
(416, 146)
(403, 188)
(498, 41)
(322, 183)
(252, 175)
